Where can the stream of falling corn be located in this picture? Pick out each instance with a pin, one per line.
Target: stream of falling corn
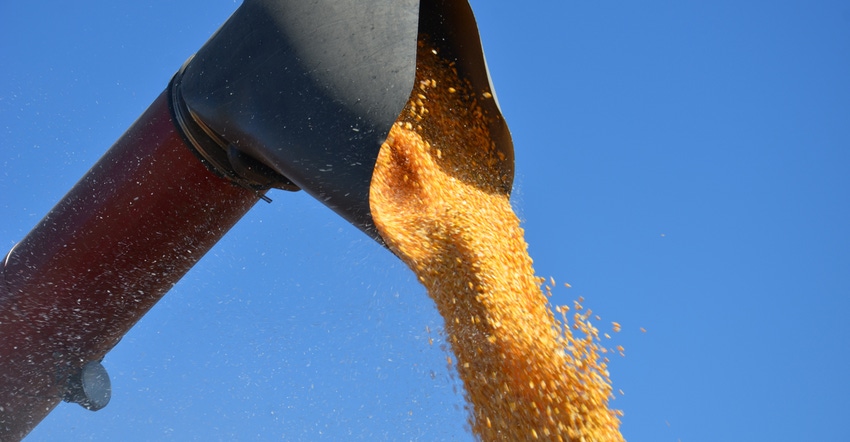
(438, 200)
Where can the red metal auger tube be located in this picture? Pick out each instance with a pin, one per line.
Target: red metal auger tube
(146, 212)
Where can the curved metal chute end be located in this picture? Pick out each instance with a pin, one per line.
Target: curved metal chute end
(310, 89)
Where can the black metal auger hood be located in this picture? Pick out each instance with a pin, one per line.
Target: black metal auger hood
(301, 93)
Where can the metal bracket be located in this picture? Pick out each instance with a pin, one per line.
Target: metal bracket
(220, 156)
(90, 387)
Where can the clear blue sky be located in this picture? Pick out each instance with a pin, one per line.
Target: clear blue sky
(684, 165)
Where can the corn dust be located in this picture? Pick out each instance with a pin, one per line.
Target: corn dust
(436, 201)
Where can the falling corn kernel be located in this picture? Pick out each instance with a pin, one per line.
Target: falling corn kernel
(617, 327)
(525, 373)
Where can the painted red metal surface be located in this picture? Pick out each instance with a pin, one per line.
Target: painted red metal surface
(102, 257)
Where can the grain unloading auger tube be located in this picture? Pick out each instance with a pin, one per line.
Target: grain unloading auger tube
(287, 94)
